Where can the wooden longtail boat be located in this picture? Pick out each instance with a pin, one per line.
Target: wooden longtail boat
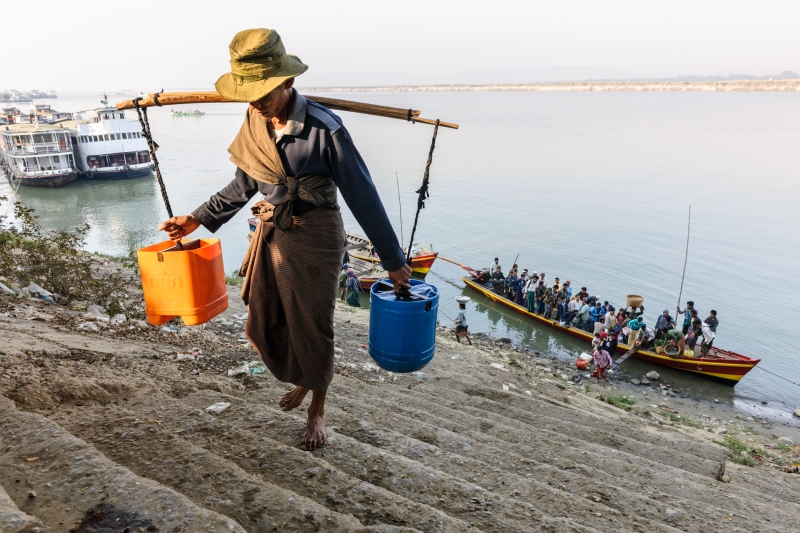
(723, 366)
(369, 268)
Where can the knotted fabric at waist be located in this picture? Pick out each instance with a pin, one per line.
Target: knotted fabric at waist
(316, 190)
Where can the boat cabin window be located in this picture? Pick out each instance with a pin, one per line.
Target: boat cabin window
(117, 160)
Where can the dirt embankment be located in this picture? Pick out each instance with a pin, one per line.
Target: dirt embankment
(105, 428)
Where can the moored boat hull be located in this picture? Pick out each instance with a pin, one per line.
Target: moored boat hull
(119, 174)
(728, 369)
(44, 181)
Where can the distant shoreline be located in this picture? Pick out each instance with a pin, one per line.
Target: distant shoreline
(587, 86)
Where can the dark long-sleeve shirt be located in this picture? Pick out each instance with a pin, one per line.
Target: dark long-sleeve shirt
(314, 142)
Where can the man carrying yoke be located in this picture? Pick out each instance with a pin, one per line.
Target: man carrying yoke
(296, 153)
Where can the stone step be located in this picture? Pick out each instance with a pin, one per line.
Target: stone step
(66, 482)
(251, 449)
(708, 460)
(509, 470)
(12, 520)
(143, 445)
(491, 510)
(492, 427)
(626, 432)
(555, 461)
(640, 440)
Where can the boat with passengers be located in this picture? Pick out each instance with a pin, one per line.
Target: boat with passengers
(719, 365)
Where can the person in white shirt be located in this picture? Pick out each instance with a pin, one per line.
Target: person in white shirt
(708, 337)
(646, 336)
(530, 292)
(543, 278)
(572, 311)
(610, 320)
(495, 265)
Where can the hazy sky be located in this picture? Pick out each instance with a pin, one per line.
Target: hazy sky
(94, 45)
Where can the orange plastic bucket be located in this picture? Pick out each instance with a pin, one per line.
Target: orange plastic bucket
(188, 283)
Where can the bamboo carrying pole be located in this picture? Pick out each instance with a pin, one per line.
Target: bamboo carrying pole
(209, 97)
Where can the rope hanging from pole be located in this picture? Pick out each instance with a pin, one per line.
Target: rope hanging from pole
(423, 190)
(153, 146)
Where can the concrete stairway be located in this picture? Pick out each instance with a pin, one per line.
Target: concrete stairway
(442, 455)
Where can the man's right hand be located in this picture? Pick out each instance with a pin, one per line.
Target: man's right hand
(401, 278)
(179, 227)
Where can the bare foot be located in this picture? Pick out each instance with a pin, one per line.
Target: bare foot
(315, 435)
(293, 398)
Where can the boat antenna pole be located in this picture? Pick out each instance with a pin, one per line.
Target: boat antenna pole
(686, 257)
(400, 202)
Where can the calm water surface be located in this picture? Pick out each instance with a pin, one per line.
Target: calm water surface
(590, 187)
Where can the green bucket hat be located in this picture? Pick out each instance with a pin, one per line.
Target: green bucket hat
(259, 64)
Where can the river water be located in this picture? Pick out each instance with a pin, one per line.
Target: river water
(591, 187)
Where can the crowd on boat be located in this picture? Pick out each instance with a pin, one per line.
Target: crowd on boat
(609, 324)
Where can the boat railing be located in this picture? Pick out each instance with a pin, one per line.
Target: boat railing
(39, 148)
(37, 173)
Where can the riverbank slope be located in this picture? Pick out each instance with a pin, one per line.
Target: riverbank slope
(106, 427)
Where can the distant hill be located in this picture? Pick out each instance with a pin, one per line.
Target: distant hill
(514, 76)
(785, 75)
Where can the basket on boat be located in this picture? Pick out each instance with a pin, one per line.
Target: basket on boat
(659, 350)
(634, 300)
(672, 351)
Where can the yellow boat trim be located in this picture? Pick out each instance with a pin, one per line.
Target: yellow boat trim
(366, 258)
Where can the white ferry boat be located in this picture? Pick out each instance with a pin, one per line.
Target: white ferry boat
(108, 146)
(17, 96)
(38, 155)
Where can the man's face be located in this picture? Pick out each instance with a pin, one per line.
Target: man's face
(271, 105)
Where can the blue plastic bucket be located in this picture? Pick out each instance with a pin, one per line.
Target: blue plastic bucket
(402, 333)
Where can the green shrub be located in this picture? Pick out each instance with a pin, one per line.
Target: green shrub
(234, 279)
(55, 260)
(617, 400)
(681, 419)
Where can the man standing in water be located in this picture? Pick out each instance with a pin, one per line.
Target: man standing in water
(296, 153)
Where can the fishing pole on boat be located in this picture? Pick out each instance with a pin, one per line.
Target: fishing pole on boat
(400, 203)
(686, 257)
(209, 97)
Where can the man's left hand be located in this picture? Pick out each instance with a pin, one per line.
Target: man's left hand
(401, 278)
